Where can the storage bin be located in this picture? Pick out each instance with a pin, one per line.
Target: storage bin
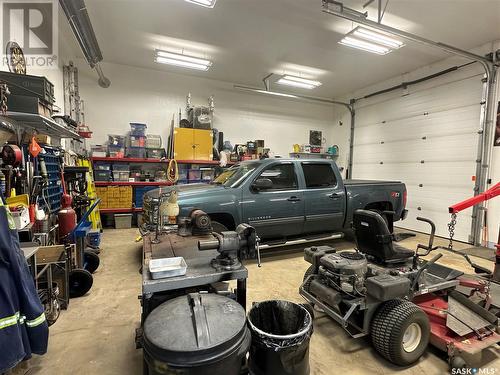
(138, 129)
(102, 166)
(115, 151)
(155, 153)
(139, 194)
(153, 141)
(120, 167)
(123, 221)
(137, 141)
(194, 174)
(116, 140)
(99, 151)
(121, 176)
(207, 174)
(102, 175)
(136, 152)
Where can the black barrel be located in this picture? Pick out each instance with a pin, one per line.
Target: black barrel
(196, 334)
(281, 331)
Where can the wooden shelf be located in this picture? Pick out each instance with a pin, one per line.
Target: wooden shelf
(119, 210)
(135, 183)
(157, 161)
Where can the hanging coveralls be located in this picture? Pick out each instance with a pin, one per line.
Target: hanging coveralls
(23, 329)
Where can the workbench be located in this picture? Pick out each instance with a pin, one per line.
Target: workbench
(199, 275)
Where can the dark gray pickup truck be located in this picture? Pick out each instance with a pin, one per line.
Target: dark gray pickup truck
(287, 198)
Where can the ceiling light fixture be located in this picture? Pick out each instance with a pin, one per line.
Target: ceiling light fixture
(170, 58)
(298, 82)
(203, 3)
(371, 41)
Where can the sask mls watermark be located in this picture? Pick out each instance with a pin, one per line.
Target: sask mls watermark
(33, 25)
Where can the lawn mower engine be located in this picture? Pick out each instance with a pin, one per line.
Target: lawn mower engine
(345, 272)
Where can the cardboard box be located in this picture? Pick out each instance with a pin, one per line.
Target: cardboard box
(40, 138)
(21, 217)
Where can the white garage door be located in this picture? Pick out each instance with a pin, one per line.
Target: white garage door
(427, 139)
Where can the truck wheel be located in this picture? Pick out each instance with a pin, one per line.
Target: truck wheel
(400, 332)
(218, 227)
(387, 220)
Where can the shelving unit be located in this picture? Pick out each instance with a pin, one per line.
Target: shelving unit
(155, 161)
(134, 183)
(119, 210)
(143, 185)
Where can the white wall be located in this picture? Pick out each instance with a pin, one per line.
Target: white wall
(153, 97)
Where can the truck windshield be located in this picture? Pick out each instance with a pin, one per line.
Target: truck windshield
(236, 174)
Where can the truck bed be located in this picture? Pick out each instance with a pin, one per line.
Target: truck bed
(368, 182)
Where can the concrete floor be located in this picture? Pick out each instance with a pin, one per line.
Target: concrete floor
(96, 334)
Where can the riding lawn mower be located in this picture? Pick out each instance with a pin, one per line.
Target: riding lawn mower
(403, 302)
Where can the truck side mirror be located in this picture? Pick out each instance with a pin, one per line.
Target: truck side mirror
(262, 184)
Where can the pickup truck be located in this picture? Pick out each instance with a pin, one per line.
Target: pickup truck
(287, 198)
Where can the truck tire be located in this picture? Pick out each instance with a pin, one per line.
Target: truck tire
(388, 221)
(218, 227)
(400, 332)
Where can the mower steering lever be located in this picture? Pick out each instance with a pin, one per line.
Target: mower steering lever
(429, 247)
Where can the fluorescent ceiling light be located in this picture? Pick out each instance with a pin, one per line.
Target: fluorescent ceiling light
(170, 58)
(265, 92)
(371, 41)
(298, 82)
(203, 3)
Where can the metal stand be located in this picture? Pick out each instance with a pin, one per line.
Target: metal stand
(200, 275)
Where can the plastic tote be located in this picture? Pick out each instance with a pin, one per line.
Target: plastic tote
(281, 331)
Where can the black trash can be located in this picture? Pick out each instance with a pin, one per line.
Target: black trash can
(196, 334)
(281, 331)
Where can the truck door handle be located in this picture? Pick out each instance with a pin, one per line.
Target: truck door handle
(293, 199)
(334, 196)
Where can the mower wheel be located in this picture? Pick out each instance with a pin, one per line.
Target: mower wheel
(457, 362)
(80, 282)
(400, 332)
(91, 261)
(310, 271)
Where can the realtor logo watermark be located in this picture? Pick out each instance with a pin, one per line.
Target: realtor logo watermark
(33, 25)
(475, 371)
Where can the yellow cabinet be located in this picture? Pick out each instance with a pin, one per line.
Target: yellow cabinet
(193, 144)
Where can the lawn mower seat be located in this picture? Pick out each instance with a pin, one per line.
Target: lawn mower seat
(374, 239)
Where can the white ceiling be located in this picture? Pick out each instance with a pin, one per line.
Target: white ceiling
(248, 39)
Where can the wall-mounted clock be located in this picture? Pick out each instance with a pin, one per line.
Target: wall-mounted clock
(15, 58)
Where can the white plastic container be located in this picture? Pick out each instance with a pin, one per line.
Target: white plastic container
(167, 267)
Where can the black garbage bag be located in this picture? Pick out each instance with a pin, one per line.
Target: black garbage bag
(281, 331)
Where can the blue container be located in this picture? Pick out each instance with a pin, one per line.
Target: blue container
(94, 238)
(139, 194)
(138, 129)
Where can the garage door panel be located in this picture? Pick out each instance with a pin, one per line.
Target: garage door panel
(431, 126)
(453, 148)
(428, 140)
(411, 222)
(452, 95)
